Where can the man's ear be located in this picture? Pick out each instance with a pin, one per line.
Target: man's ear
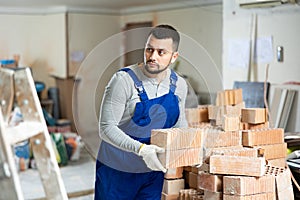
(174, 57)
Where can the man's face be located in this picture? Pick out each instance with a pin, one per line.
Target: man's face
(158, 54)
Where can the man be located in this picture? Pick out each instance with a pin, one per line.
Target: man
(137, 99)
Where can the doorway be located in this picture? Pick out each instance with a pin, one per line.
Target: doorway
(133, 39)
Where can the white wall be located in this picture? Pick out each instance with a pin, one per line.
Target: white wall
(202, 28)
(87, 34)
(46, 39)
(194, 23)
(38, 39)
(86, 31)
(281, 23)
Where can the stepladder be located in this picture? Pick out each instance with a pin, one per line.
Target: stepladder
(17, 88)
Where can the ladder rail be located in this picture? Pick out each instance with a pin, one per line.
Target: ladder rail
(11, 175)
(35, 129)
(7, 93)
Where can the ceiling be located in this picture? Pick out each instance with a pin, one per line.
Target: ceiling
(108, 6)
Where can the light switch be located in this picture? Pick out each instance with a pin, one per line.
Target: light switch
(280, 53)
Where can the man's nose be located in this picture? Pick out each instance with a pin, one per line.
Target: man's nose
(154, 55)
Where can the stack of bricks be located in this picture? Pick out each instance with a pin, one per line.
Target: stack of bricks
(244, 161)
(229, 97)
(283, 185)
(183, 147)
(173, 183)
(190, 175)
(189, 194)
(197, 117)
(233, 154)
(274, 184)
(223, 150)
(227, 111)
(254, 118)
(271, 141)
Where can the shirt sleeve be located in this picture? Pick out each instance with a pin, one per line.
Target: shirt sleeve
(113, 105)
(181, 92)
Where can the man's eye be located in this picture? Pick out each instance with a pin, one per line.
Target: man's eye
(161, 52)
(150, 50)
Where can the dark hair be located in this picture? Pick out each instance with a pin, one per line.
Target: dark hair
(166, 31)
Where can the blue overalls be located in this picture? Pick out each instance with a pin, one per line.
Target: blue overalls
(122, 175)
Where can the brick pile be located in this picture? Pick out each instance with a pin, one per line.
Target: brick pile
(230, 154)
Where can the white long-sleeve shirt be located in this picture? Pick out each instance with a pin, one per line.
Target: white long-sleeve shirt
(120, 98)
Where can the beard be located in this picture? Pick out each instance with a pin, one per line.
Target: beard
(155, 70)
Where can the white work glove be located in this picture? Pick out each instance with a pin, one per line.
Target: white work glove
(149, 154)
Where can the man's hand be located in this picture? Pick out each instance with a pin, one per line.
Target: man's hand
(149, 154)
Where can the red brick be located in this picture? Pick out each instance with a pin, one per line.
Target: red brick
(274, 151)
(193, 178)
(237, 165)
(217, 138)
(253, 115)
(262, 137)
(230, 123)
(174, 173)
(173, 186)
(177, 138)
(211, 182)
(181, 157)
(262, 196)
(169, 196)
(246, 185)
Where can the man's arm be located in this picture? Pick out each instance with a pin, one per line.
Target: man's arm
(112, 109)
(181, 92)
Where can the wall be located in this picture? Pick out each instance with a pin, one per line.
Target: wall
(46, 39)
(87, 37)
(195, 26)
(38, 39)
(85, 32)
(281, 23)
(104, 60)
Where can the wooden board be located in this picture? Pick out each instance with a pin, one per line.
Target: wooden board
(35, 129)
(253, 93)
(6, 92)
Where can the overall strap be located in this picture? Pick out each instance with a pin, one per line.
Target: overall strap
(173, 80)
(137, 83)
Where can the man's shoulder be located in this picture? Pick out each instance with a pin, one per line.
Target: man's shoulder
(132, 67)
(122, 75)
(181, 78)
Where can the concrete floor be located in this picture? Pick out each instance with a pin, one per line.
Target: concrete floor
(78, 176)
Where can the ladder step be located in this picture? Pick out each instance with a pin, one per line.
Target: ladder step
(23, 131)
